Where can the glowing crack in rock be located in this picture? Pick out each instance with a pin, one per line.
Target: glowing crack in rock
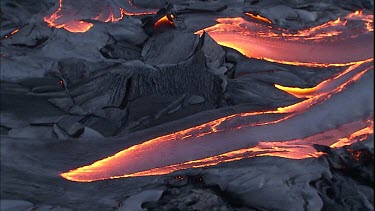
(215, 142)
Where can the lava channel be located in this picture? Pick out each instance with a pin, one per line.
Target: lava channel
(313, 47)
(317, 119)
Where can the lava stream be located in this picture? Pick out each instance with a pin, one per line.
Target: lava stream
(209, 144)
(292, 149)
(313, 47)
(70, 14)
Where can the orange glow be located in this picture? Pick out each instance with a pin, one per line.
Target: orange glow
(14, 31)
(11, 33)
(226, 33)
(294, 149)
(255, 40)
(79, 26)
(297, 92)
(310, 92)
(313, 64)
(162, 21)
(258, 17)
(329, 29)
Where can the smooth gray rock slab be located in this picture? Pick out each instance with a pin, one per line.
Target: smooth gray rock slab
(195, 99)
(135, 201)
(51, 208)
(169, 48)
(32, 132)
(91, 133)
(14, 205)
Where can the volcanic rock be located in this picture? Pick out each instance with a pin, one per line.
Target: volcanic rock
(214, 52)
(176, 47)
(249, 90)
(71, 125)
(122, 50)
(32, 132)
(250, 185)
(135, 201)
(194, 99)
(10, 205)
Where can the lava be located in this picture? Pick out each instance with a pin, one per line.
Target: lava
(320, 32)
(163, 21)
(314, 47)
(11, 33)
(323, 86)
(260, 40)
(258, 17)
(294, 149)
(64, 18)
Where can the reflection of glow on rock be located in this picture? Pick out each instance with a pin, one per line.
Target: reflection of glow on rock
(140, 160)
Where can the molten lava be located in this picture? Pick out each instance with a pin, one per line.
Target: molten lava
(163, 21)
(315, 47)
(310, 47)
(12, 33)
(62, 18)
(294, 149)
(258, 17)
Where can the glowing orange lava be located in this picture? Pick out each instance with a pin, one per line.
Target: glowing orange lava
(323, 86)
(162, 21)
(258, 17)
(294, 149)
(58, 20)
(251, 39)
(256, 40)
(12, 33)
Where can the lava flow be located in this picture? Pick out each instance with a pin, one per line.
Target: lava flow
(245, 135)
(204, 145)
(70, 15)
(315, 47)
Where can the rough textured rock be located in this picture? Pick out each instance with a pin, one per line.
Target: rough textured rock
(214, 52)
(290, 182)
(123, 51)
